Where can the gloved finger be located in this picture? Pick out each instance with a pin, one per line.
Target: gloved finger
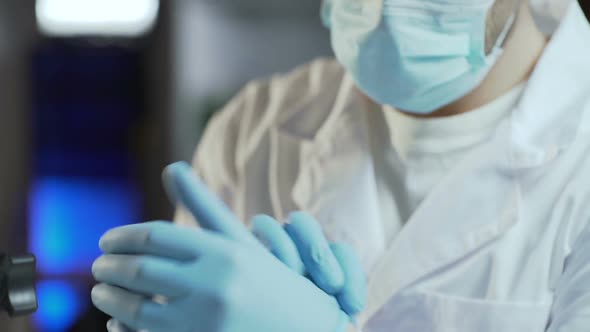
(161, 239)
(211, 212)
(271, 233)
(315, 252)
(114, 325)
(136, 312)
(142, 274)
(353, 296)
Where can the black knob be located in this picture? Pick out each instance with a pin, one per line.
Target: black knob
(17, 284)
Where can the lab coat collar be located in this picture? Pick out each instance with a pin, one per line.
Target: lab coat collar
(560, 81)
(312, 125)
(312, 137)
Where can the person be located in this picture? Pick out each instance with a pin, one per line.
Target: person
(447, 143)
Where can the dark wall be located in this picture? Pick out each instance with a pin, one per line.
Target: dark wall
(154, 137)
(17, 37)
(586, 7)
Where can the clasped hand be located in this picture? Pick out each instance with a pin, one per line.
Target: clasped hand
(223, 278)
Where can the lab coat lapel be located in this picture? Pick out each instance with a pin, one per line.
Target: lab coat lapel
(285, 159)
(298, 147)
(329, 173)
(471, 207)
(338, 187)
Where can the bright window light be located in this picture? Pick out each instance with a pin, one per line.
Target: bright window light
(129, 18)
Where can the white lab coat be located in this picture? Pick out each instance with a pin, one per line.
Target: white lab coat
(501, 244)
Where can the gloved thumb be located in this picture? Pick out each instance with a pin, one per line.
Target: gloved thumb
(185, 188)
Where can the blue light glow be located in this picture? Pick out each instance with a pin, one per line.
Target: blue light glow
(68, 216)
(60, 304)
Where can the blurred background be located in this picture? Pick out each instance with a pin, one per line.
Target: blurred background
(96, 97)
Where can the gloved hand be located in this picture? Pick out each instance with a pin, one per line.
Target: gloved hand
(211, 283)
(326, 264)
(334, 267)
(301, 245)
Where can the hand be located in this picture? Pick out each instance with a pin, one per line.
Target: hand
(301, 245)
(199, 287)
(210, 283)
(335, 267)
(328, 266)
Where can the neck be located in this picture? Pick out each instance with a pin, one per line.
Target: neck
(524, 46)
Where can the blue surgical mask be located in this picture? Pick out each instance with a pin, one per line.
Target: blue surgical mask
(414, 55)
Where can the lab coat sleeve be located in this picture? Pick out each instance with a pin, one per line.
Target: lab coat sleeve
(571, 306)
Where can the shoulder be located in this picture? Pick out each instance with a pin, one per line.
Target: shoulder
(238, 129)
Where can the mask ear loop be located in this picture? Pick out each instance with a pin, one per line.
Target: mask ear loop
(510, 23)
(503, 37)
(498, 47)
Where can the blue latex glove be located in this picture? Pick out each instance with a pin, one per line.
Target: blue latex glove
(335, 267)
(212, 282)
(301, 245)
(319, 260)
(327, 266)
